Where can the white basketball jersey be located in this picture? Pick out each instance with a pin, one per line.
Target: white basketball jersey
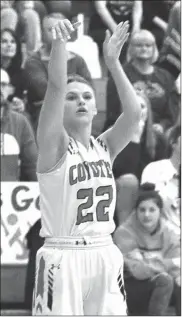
(78, 196)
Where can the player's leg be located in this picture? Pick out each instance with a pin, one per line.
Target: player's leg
(107, 294)
(57, 285)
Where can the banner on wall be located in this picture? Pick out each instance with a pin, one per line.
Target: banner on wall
(19, 211)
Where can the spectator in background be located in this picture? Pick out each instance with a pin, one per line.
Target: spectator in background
(108, 14)
(165, 175)
(29, 25)
(36, 68)
(18, 147)
(146, 146)
(9, 16)
(157, 83)
(11, 61)
(21, 17)
(151, 251)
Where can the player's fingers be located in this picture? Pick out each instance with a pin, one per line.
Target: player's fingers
(122, 30)
(76, 25)
(54, 34)
(59, 33)
(121, 42)
(69, 26)
(107, 36)
(64, 29)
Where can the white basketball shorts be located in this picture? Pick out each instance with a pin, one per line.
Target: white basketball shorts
(79, 276)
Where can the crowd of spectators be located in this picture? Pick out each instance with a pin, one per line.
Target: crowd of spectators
(151, 60)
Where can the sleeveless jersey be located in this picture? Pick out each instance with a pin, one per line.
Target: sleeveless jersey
(78, 196)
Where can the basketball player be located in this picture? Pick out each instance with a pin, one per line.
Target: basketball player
(79, 270)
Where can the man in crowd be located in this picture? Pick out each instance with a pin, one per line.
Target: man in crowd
(18, 147)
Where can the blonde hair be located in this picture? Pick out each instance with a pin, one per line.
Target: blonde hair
(145, 33)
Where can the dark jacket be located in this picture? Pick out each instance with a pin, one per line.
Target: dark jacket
(157, 86)
(135, 156)
(18, 148)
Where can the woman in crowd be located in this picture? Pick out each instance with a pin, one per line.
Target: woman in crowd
(151, 250)
(11, 61)
(147, 145)
(156, 82)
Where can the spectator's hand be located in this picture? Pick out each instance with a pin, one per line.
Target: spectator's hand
(63, 29)
(113, 45)
(158, 127)
(18, 105)
(174, 42)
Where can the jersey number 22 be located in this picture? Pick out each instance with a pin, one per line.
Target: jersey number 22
(101, 215)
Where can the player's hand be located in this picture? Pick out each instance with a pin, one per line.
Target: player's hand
(63, 29)
(113, 45)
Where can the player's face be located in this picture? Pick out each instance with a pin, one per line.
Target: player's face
(80, 105)
(143, 47)
(148, 214)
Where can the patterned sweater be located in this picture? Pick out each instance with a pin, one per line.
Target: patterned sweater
(147, 254)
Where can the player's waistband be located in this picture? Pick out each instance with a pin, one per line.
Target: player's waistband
(78, 242)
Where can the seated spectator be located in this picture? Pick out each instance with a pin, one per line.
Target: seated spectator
(165, 175)
(156, 82)
(37, 72)
(151, 251)
(147, 145)
(18, 147)
(107, 14)
(11, 61)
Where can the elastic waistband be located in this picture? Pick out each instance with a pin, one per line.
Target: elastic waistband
(78, 242)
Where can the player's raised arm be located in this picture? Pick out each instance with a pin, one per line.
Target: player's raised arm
(122, 131)
(51, 136)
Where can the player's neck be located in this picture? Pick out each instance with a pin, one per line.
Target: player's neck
(82, 135)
